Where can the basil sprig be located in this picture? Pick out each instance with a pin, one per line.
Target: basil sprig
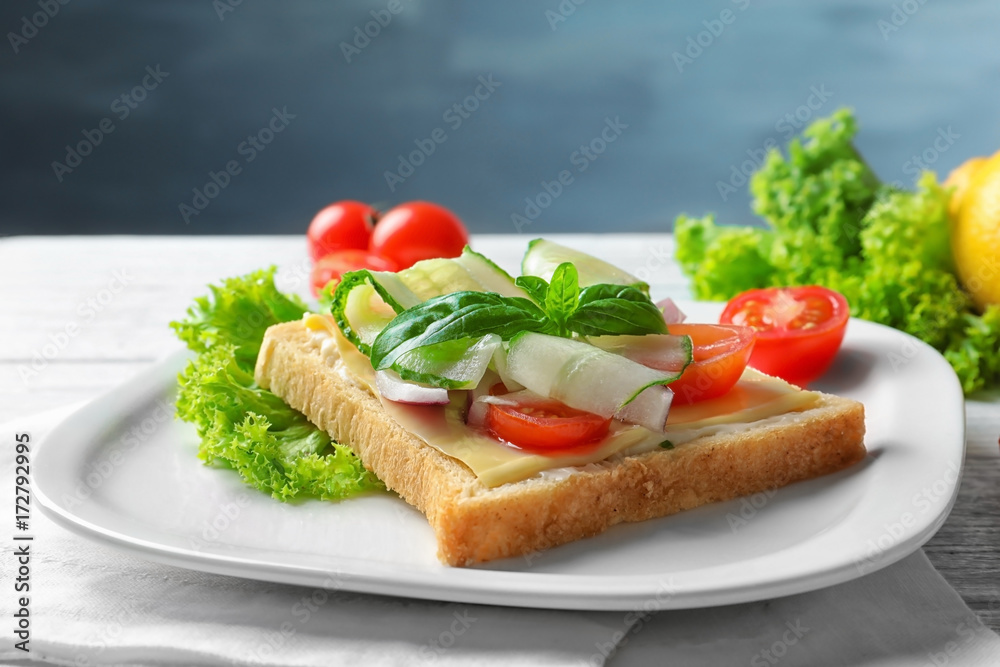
(456, 316)
(615, 310)
(562, 309)
(596, 310)
(562, 296)
(536, 287)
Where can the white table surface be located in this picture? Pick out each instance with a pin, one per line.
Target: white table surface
(83, 314)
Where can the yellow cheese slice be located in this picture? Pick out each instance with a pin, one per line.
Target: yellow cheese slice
(756, 396)
(493, 462)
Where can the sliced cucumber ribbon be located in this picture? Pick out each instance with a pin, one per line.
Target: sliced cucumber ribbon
(663, 352)
(543, 256)
(453, 364)
(366, 301)
(580, 375)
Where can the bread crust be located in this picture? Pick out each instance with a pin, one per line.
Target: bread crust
(474, 523)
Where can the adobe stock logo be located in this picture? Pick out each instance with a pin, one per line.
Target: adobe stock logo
(31, 25)
(899, 17)
(787, 124)
(581, 158)
(455, 116)
(703, 40)
(223, 7)
(250, 149)
(381, 18)
(87, 311)
(121, 106)
(565, 9)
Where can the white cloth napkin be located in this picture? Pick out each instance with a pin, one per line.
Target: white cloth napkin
(92, 605)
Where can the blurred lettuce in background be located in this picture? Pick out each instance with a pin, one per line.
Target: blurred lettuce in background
(832, 222)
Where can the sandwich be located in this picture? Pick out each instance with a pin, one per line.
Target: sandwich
(522, 414)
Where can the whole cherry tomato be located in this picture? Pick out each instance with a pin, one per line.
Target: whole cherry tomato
(340, 226)
(334, 265)
(418, 230)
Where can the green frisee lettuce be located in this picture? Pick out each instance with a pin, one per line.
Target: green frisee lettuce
(831, 222)
(242, 426)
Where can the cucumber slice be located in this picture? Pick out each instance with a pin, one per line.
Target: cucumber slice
(500, 366)
(489, 275)
(366, 301)
(453, 364)
(367, 313)
(469, 272)
(578, 374)
(663, 352)
(393, 284)
(649, 409)
(433, 277)
(542, 258)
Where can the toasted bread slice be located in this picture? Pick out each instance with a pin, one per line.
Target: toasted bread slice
(474, 523)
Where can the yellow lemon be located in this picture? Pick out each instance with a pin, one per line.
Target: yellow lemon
(975, 232)
(959, 179)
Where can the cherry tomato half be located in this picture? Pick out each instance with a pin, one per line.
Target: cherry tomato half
(418, 230)
(545, 425)
(340, 226)
(333, 266)
(799, 329)
(720, 354)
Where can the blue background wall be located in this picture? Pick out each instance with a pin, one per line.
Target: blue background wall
(687, 114)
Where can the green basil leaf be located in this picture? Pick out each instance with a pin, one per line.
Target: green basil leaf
(606, 291)
(452, 317)
(534, 286)
(617, 316)
(615, 310)
(561, 297)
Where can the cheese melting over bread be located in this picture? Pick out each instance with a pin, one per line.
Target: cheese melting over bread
(755, 397)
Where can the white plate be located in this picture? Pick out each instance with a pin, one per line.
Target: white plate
(121, 471)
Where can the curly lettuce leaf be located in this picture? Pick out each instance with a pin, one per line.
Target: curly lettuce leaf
(722, 261)
(238, 312)
(243, 426)
(904, 226)
(830, 222)
(906, 279)
(816, 198)
(972, 350)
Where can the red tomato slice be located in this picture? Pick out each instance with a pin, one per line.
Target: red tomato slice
(343, 225)
(418, 230)
(336, 264)
(545, 425)
(720, 354)
(799, 329)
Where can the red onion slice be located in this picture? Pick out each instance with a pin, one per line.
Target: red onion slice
(671, 313)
